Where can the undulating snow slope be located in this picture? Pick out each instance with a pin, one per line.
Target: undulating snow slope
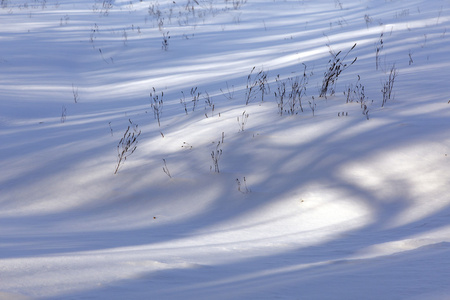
(233, 195)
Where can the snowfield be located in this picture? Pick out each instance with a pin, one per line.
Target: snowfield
(229, 187)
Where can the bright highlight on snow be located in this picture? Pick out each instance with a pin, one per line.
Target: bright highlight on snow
(224, 149)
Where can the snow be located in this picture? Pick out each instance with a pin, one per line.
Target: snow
(323, 204)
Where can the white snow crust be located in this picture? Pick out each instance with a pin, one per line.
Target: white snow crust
(323, 204)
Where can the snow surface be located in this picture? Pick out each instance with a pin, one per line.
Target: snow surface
(334, 206)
